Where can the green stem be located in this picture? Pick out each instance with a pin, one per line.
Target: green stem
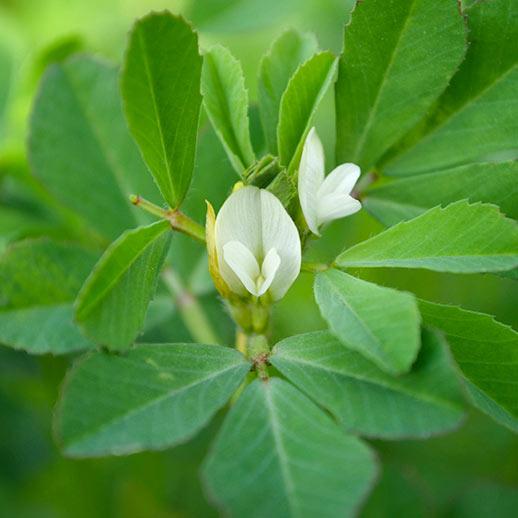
(314, 267)
(182, 223)
(192, 313)
(255, 347)
(179, 221)
(242, 342)
(148, 206)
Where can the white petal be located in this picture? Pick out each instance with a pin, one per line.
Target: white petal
(239, 219)
(243, 263)
(279, 232)
(336, 206)
(340, 181)
(311, 176)
(257, 219)
(269, 268)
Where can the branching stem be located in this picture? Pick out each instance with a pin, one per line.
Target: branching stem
(191, 310)
(179, 221)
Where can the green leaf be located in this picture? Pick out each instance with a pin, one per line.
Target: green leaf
(460, 238)
(57, 51)
(486, 404)
(368, 401)
(18, 223)
(299, 103)
(80, 148)
(153, 397)
(279, 455)
(404, 198)
(476, 119)
(160, 85)
(399, 56)
(113, 301)
(486, 352)
(39, 280)
(511, 274)
(390, 212)
(381, 323)
(277, 67)
(226, 101)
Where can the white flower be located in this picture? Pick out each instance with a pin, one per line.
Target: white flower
(257, 244)
(324, 199)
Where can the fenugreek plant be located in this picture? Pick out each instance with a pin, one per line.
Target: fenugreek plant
(426, 142)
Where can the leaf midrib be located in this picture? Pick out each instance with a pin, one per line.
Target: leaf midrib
(366, 127)
(86, 310)
(238, 152)
(170, 394)
(470, 382)
(117, 170)
(418, 396)
(444, 122)
(150, 82)
(277, 438)
(377, 342)
(323, 86)
(107, 158)
(411, 258)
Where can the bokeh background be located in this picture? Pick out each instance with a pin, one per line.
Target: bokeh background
(470, 473)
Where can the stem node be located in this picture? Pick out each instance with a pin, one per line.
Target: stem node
(178, 220)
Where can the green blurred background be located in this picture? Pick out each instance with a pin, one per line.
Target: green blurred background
(472, 472)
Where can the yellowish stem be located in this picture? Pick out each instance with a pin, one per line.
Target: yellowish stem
(179, 221)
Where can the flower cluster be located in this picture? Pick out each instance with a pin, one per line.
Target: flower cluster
(254, 245)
